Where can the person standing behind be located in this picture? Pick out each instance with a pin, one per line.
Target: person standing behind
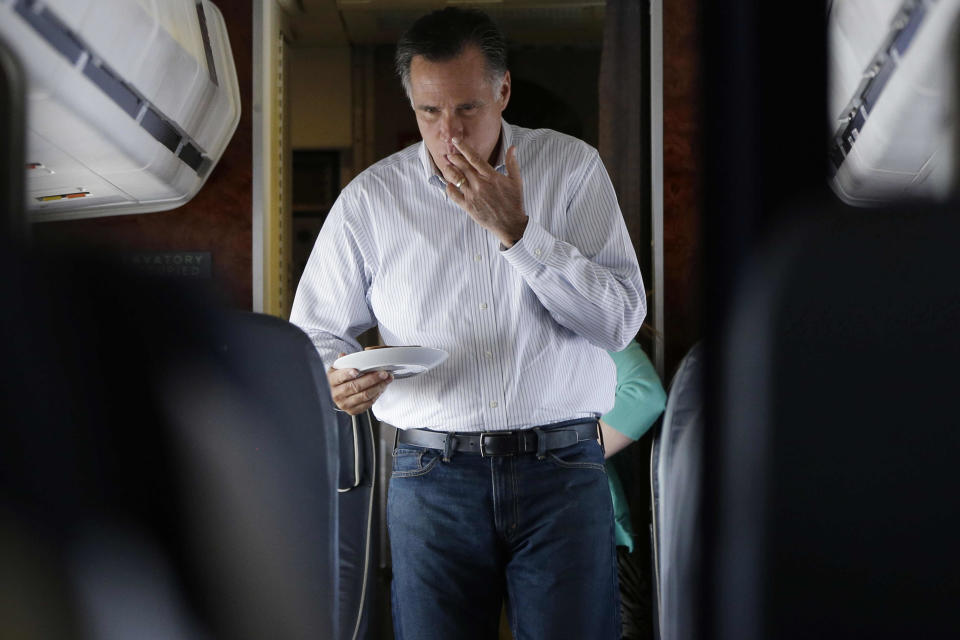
(505, 247)
(640, 400)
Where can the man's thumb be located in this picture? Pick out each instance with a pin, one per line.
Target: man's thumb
(513, 167)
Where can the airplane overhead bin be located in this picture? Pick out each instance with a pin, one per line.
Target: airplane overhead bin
(893, 99)
(131, 102)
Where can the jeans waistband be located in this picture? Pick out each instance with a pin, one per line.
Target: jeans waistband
(537, 440)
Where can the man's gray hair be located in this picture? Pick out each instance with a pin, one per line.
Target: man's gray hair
(444, 34)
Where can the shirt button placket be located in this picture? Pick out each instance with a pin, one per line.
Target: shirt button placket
(490, 388)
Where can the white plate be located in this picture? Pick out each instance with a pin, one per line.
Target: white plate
(403, 362)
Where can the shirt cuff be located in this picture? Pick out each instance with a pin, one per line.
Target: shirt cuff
(532, 251)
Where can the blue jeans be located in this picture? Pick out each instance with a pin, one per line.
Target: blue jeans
(467, 533)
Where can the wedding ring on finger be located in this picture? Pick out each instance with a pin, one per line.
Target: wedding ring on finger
(459, 183)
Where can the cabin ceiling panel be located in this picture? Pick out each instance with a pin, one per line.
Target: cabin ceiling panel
(365, 22)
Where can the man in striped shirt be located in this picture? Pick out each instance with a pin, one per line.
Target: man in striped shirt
(505, 247)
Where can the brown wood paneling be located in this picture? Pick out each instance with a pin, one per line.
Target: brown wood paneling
(681, 197)
(218, 219)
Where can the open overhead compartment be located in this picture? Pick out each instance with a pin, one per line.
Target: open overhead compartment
(131, 102)
(893, 99)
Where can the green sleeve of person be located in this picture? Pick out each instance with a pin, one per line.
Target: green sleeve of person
(640, 399)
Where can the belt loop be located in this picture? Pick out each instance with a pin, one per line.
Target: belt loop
(448, 446)
(541, 443)
(603, 445)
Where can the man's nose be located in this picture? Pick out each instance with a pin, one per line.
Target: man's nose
(450, 126)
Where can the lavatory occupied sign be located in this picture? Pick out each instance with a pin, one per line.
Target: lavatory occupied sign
(182, 264)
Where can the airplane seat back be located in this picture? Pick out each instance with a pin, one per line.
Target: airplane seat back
(257, 441)
(836, 486)
(90, 496)
(675, 483)
(160, 456)
(313, 466)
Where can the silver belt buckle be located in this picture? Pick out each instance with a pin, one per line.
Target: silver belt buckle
(484, 435)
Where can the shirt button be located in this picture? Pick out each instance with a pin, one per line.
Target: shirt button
(489, 354)
(478, 257)
(537, 252)
(493, 405)
(483, 305)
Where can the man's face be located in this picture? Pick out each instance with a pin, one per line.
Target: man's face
(455, 99)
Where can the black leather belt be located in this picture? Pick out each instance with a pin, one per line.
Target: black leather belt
(537, 440)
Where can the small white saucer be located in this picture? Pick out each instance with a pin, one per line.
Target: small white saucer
(403, 362)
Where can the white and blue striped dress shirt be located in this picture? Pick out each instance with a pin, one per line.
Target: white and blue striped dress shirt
(526, 327)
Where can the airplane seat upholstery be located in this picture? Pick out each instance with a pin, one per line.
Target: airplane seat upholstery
(256, 437)
(675, 482)
(161, 456)
(355, 515)
(275, 363)
(836, 497)
(308, 463)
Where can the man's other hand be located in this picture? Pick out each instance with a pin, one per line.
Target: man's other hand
(355, 393)
(493, 200)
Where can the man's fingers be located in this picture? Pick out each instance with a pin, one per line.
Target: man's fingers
(456, 195)
(480, 165)
(360, 385)
(366, 381)
(463, 168)
(513, 167)
(355, 403)
(453, 175)
(374, 392)
(340, 376)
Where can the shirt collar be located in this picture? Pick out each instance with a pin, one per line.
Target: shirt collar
(432, 174)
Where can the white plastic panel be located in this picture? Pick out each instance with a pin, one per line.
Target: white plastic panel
(122, 101)
(856, 30)
(217, 122)
(131, 52)
(68, 177)
(176, 21)
(898, 136)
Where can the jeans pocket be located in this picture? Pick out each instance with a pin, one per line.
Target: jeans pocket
(583, 455)
(408, 463)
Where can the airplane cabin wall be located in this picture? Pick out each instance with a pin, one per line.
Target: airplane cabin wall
(681, 189)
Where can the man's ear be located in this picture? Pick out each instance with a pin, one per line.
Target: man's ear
(503, 96)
